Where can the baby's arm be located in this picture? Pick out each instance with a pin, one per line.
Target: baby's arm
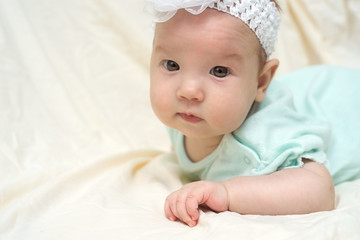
(289, 191)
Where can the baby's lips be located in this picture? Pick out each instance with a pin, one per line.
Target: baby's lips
(189, 117)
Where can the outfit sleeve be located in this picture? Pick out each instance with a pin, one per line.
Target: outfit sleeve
(331, 93)
(280, 136)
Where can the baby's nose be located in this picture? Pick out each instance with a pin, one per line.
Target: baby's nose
(190, 90)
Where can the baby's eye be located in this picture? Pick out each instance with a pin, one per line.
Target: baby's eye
(219, 71)
(171, 65)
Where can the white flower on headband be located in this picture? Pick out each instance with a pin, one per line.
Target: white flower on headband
(262, 16)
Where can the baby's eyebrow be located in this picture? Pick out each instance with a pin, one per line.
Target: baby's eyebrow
(234, 56)
(159, 48)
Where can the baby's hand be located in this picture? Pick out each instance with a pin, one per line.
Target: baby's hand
(183, 204)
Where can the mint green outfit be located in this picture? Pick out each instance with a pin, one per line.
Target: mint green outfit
(313, 113)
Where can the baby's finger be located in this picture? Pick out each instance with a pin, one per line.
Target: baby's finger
(192, 208)
(181, 210)
(168, 212)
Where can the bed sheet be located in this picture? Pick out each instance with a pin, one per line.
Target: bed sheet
(81, 153)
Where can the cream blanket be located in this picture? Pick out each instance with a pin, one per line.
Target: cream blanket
(75, 123)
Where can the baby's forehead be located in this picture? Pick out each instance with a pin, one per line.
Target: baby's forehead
(210, 26)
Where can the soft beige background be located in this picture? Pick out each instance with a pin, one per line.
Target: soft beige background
(75, 118)
(319, 32)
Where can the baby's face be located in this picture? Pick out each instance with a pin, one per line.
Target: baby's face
(204, 73)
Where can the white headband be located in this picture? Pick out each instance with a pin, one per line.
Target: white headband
(262, 16)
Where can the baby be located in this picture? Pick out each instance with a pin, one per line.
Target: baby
(235, 135)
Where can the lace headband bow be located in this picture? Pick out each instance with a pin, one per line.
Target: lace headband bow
(262, 16)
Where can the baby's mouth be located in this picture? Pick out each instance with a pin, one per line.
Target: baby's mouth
(188, 117)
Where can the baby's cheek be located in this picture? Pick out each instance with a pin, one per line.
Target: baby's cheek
(229, 116)
(161, 104)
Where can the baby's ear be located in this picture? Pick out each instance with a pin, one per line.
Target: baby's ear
(265, 78)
